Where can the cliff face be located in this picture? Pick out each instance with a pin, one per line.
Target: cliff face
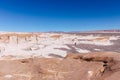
(91, 66)
(14, 38)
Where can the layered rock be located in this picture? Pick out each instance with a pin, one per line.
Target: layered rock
(90, 66)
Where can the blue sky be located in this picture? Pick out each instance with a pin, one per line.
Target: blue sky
(59, 15)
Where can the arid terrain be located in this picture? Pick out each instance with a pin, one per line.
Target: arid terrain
(60, 44)
(59, 56)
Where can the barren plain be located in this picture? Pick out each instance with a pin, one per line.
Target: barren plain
(59, 56)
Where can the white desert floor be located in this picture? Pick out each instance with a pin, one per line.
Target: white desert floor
(48, 45)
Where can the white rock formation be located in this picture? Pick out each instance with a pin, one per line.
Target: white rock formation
(43, 44)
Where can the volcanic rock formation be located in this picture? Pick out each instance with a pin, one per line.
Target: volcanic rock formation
(90, 66)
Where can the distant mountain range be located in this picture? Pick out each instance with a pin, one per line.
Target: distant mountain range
(98, 31)
(92, 31)
(113, 30)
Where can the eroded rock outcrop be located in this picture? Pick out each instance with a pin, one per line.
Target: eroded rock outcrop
(89, 66)
(50, 45)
